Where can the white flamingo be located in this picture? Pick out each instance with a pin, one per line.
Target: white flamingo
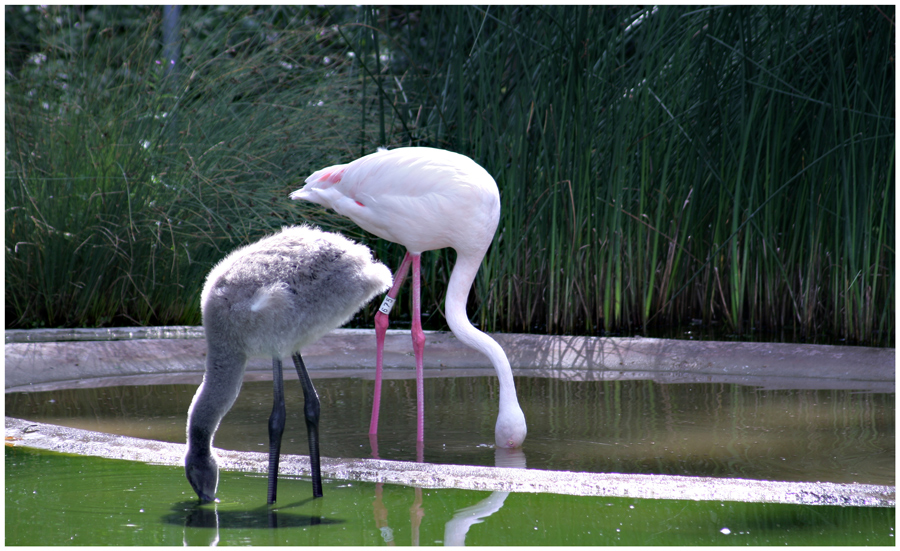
(426, 199)
(273, 297)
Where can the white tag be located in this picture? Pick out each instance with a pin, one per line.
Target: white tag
(386, 305)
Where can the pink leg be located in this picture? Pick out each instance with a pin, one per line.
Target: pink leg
(381, 325)
(418, 338)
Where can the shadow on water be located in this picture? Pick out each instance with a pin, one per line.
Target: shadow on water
(192, 514)
(202, 522)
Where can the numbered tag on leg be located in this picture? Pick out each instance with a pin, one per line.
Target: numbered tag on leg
(386, 305)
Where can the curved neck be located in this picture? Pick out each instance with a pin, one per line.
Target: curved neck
(458, 288)
(215, 396)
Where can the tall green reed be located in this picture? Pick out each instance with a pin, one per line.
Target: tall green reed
(126, 182)
(656, 166)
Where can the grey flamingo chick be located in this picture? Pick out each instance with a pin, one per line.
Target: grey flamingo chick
(272, 298)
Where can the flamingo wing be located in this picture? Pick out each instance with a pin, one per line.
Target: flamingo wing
(422, 198)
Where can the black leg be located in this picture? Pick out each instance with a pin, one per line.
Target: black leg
(311, 411)
(276, 428)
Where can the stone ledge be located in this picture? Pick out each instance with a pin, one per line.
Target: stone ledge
(91, 357)
(427, 475)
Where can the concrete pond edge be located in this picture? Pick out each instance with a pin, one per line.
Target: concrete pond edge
(426, 475)
(47, 359)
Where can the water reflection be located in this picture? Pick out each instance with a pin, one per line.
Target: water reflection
(202, 521)
(381, 514)
(456, 528)
(416, 513)
(201, 517)
(712, 429)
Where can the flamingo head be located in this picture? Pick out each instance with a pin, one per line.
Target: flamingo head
(202, 472)
(510, 430)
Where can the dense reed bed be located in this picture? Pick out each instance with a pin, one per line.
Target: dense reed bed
(660, 166)
(126, 181)
(671, 164)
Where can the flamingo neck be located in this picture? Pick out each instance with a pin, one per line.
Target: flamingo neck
(510, 429)
(457, 294)
(215, 396)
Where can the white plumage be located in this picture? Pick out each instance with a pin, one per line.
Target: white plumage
(426, 199)
(423, 198)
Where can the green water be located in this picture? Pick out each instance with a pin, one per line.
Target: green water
(56, 499)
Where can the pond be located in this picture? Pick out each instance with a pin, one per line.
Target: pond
(711, 429)
(699, 429)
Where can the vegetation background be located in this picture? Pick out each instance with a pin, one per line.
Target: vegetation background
(721, 167)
